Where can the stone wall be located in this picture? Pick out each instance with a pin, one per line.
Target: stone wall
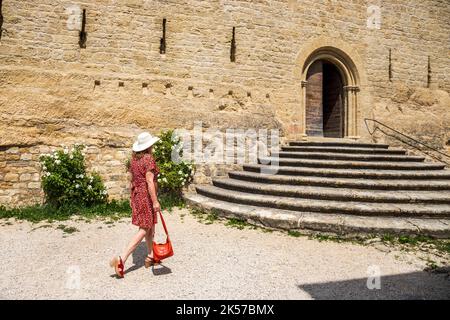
(420, 113)
(52, 91)
(21, 172)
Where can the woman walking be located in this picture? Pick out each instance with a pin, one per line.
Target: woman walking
(144, 202)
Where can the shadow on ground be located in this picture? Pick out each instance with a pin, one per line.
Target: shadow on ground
(409, 286)
(139, 261)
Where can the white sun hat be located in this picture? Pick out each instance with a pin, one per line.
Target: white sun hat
(144, 141)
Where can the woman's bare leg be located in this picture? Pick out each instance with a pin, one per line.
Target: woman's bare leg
(149, 240)
(133, 244)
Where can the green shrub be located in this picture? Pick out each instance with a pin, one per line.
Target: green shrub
(66, 182)
(174, 176)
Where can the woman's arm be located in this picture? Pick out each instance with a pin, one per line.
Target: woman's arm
(152, 190)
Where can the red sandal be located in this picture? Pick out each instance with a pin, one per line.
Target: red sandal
(118, 266)
(150, 262)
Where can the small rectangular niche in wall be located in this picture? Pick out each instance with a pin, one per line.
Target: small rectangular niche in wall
(96, 84)
(168, 87)
(1, 20)
(233, 46)
(190, 92)
(83, 33)
(144, 88)
(429, 73)
(162, 45)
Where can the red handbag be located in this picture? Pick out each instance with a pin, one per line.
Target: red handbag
(162, 250)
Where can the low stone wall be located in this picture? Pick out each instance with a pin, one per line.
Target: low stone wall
(20, 172)
(20, 176)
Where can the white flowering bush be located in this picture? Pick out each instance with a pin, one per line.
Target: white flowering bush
(173, 176)
(66, 182)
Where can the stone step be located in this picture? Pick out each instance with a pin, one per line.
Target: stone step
(341, 143)
(343, 150)
(342, 194)
(326, 206)
(352, 164)
(312, 222)
(350, 157)
(370, 184)
(352, 173)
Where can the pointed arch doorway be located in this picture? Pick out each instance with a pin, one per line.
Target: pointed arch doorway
(330, 94)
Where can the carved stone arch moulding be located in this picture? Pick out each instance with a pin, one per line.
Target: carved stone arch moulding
(351, 69)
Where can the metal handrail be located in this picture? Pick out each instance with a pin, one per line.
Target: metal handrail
(406, 136)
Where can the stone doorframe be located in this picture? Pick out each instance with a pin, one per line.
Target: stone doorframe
(350, 77)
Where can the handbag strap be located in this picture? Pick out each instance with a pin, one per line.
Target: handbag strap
(164, 224)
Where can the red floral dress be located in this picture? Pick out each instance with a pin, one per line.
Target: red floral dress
(143, 214)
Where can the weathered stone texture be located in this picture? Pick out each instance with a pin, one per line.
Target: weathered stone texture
(53, 92)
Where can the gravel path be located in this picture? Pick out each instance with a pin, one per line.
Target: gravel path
(210, 262)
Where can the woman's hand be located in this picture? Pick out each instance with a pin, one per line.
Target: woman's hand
(156, 206)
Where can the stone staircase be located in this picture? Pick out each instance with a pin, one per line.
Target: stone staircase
(336, 186)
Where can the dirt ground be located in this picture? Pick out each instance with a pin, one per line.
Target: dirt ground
(215, 261)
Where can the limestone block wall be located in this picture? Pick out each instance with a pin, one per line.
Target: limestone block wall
(21, 172)
(52, 91)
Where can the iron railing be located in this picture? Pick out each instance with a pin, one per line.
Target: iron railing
(379, 126)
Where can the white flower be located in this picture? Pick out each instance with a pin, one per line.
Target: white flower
(57, 161)
(164, 179)
(104, 192)
(66, 151)
(47, 174)
(180, 172)
(172, 147)
(89, 187)
(91, 179)
(159, 180)
(44, 168)
(77, 186)
(81, 176)
(154, 147)
(71, 156)
(186, 175)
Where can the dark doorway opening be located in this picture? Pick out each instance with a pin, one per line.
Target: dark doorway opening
(332, 102)
(324, 101)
